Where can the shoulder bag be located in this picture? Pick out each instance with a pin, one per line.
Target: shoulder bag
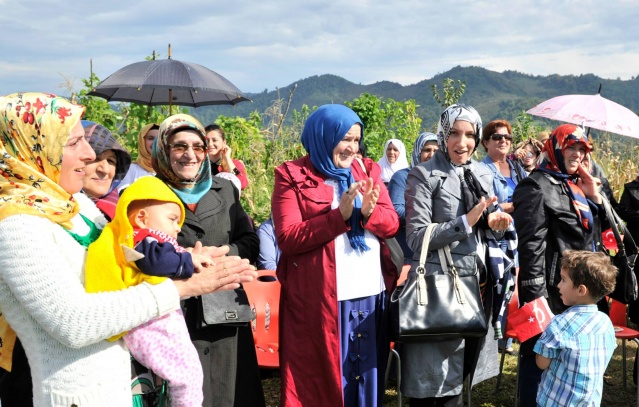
(224, 307)
(624, 258)
(438, 306)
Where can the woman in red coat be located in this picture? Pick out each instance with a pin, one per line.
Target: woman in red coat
(331, 218)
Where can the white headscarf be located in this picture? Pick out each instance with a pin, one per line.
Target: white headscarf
(389, 169)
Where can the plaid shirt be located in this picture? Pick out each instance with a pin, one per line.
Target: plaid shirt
(580, 342)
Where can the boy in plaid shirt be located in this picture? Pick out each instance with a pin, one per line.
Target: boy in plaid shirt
(577, 345)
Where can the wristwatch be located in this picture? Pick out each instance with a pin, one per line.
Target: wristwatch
(236, 171)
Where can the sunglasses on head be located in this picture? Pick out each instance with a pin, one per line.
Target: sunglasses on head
(498, 137)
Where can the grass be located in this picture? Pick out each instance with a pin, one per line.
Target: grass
(483, 395)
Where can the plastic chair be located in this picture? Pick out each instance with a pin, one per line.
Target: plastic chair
(619, 319)
(509, 333)
(264, 297)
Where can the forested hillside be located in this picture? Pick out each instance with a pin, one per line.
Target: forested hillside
(494, 94)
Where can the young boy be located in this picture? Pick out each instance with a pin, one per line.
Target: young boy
(577, 345)
(140, 246)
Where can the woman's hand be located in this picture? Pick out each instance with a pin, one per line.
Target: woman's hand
(499, 221)
(589, 184)
(348, 198)
(475, 213)
(224, 273)
(369, 198)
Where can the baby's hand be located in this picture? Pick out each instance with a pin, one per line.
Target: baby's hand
(201, 261)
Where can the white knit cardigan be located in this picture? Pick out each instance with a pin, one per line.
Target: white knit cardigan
(63, 329)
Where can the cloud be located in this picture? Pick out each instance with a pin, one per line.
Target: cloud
(258, 45)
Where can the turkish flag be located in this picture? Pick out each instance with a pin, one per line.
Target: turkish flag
(531, 319)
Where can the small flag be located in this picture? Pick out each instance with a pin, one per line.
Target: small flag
(609, 241)
(531, 319)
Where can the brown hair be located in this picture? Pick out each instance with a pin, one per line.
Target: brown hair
(491, 128)
(592, 269)
(212, 127)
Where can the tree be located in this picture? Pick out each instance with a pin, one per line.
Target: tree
(385, 119)
(451, 94)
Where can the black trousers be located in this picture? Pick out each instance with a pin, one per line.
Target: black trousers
(16, 389)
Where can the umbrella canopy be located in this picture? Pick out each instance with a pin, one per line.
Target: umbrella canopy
(592, 111)
(168, 82)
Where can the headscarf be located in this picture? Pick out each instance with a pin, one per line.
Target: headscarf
(107, 266)
(553, 163)
(189, 191)
(536, 145)
(323, 131)
(418, 145)
(144, 157)
(34, 127)
(449, 117)
(101, 140)
(389, 169)
(472, 189)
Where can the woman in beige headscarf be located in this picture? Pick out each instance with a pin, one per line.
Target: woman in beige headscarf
(142, 165)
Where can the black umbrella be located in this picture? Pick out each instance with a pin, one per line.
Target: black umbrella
(168, 82)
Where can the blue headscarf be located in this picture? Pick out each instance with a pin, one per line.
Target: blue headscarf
(323, 131)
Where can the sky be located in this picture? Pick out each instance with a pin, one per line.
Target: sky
(48, 46)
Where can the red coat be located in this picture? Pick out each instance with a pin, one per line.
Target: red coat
(306, 227)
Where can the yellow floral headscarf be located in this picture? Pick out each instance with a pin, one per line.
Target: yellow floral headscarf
(107, 267)
(34, 127)
(144, 157)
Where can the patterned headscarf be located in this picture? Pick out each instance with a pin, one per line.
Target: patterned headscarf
(144, 157)
(323, 131)
(190, 191)
(418, 145)
(101, 140)
(553, 163)
(449, 117)
(389, 169)
(34, 127)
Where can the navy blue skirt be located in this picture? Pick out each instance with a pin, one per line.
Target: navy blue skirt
(364, 350)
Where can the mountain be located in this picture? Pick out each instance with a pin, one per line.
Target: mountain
(495, 95)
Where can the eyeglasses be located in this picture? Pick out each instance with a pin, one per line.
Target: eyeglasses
(182, 147)
(497, 137)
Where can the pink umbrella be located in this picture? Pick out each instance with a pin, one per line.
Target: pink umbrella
(591, 111)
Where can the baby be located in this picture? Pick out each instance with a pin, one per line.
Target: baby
(139, 247)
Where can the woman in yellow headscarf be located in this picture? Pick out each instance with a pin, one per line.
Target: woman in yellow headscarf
(142, 165)
(44, 232)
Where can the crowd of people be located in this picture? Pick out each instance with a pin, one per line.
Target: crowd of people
(106, 258)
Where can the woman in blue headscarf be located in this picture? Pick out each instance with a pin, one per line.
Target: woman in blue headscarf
(331, 216)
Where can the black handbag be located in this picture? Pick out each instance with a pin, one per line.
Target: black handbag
(624, 259)
(224, 307)
(438, 306)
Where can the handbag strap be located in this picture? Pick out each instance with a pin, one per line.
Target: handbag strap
(446, 261)
(422, 298)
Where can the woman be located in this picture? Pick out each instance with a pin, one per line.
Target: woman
(527, 153)
(214, 217)
(142, 166)
(44, 230)
(329, 218)
(441, 191)
(554, 209)
(220, 155)
(497, 140)
(102, 176)
(423, 150)
(393, 160)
